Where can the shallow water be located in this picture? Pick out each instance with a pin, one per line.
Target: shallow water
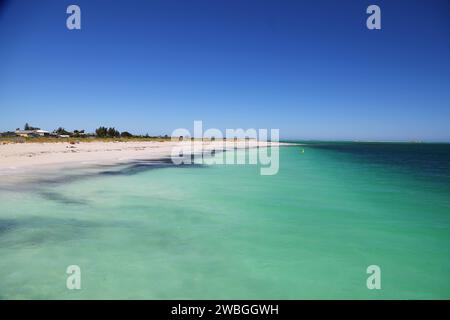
(225, 232)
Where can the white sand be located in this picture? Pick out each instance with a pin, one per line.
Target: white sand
(20, 157)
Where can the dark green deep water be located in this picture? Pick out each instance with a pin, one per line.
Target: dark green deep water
(226, 232)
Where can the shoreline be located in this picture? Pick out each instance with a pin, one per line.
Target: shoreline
(25, 158)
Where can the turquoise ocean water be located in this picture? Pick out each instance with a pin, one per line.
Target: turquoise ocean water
(226, 232)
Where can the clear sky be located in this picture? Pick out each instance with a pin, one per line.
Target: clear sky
(310, 68)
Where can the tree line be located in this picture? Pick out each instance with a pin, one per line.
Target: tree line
(103, 132)
(100, 132)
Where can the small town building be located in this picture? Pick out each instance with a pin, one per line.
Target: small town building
(32, 133)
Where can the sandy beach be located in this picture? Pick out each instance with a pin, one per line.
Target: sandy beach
(33, 157)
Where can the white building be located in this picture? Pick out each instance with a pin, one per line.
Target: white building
(42, 133)
(32, 133)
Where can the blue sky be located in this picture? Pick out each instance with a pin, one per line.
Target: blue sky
(310, 68)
